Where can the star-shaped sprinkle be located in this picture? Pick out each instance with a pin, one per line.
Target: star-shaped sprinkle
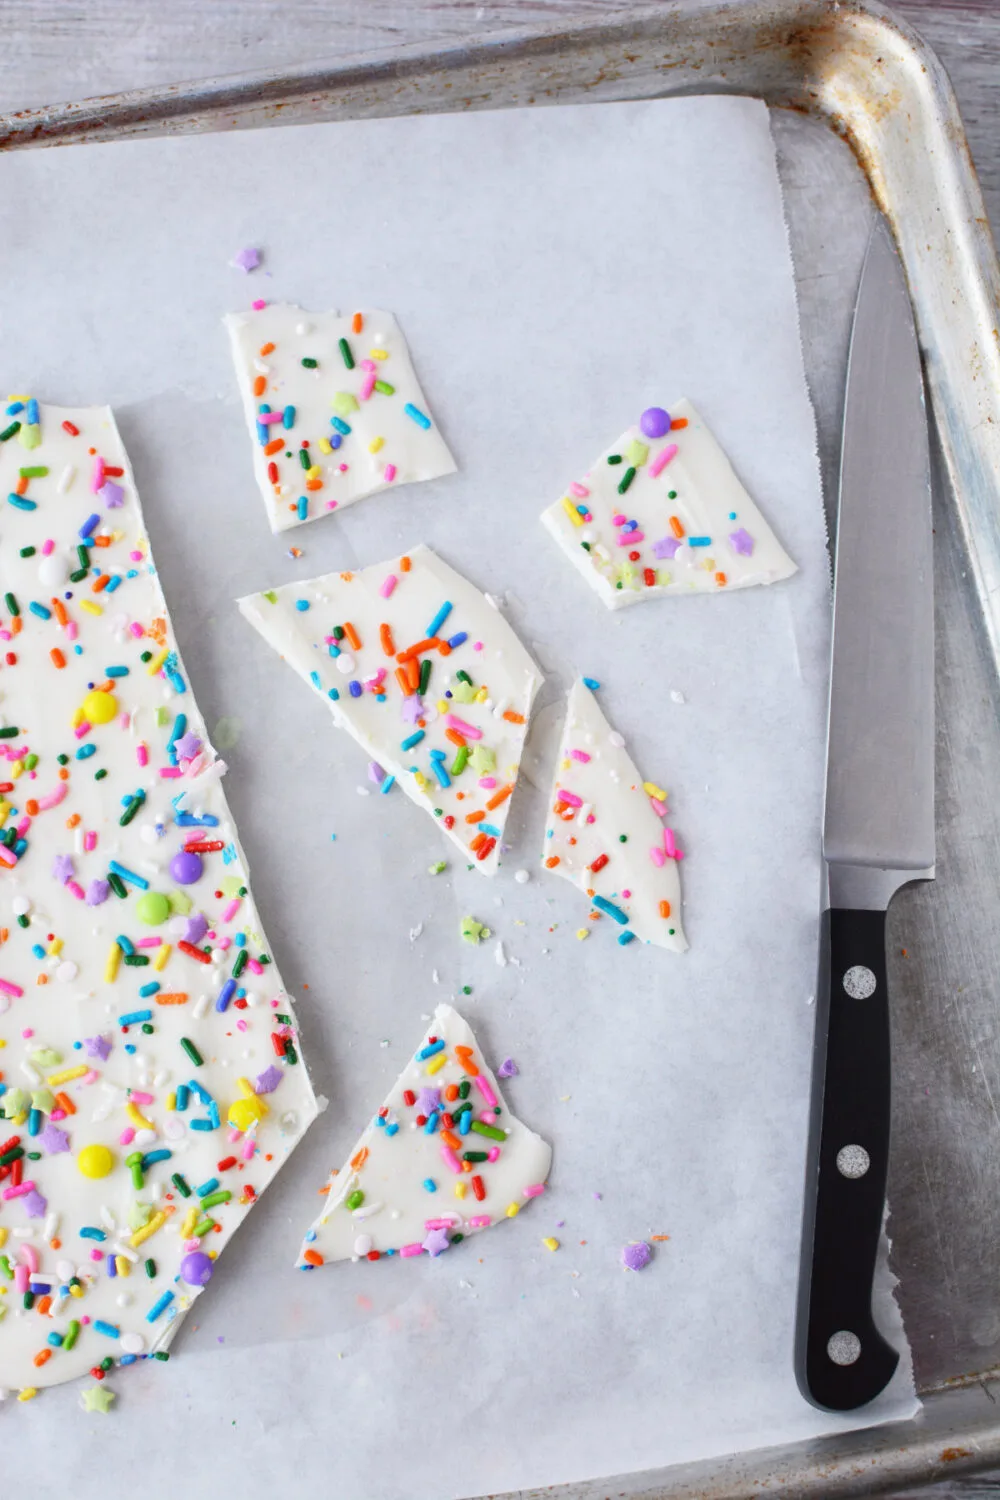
(62, 868)
(412, 709)
(97, 1046)
(111, 494)
(267, 1082)
(668, 547)
(98, 892)
(436, 1241)
(97, 1398)
(428, 1100)
(507, 1069)
(187, 746)
(35, 1205)
(246, 260)
(53, 1140)
(742, 542)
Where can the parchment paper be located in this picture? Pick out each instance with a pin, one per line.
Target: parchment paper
(555, 271)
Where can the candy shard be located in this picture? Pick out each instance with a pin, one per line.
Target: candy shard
(405, 1184)
(677, 520)
(633, 879)
(401, 708)
(362, 429)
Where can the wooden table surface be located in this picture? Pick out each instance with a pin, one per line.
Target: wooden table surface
(57, 50)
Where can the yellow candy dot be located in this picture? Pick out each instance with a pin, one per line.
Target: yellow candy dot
(100, 708)
(242, 1114)
(95, 1161)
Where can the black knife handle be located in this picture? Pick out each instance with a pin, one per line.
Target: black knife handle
(846, 1169)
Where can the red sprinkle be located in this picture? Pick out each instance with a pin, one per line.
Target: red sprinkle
(73, 431)
(220, 1166)
(650, 577)
(478, 1188)
(193, 952)
(599, 863)
(409, 1097)
(272, 472)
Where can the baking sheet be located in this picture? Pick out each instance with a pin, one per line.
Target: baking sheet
(554, 271)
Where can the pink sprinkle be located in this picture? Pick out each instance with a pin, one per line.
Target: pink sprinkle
(97, 477)
(331, 505)
(470, 732)
(48, 547)
(10, 989)
(668, 843)
(534, 1190)
(569, 797)
(127, 1136)
(390, 473)
(7, 856)
(139, 1098)
(148, 942)
(448, 1223)
(135, 629)
(90, 1077)
(249, 1147)
(19, 1192)
(27, 1033)
(488, 782)
(20, 1272)
(631, 538)
(53, 798)
(224, 943)
(480, 1221)
(81, 730)
(231, 909)
(96, 1254)
(76, 889)
(135, 557)
(619, 519)
(626, 894)
(580, 755)
(268, 418)
(57, 1114)
(658, 857)
(241, 1025)
(258, 303)
(171, 773)
(368, 382)
(30, 1257)
(660, 808)
(142, 754)
(255, 966)
(477, 645)
(414, 1249)
(662, 459)
(578, 490)
(388, 583)
(450, 1159)
(5, 635)
(89, 842)
(493, 1154)
(485, 1089)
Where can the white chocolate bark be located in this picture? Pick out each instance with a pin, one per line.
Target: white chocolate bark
(408, 1186)
(455, 749)
(602, 812)
(666, 515)
(106, 767)
(335, 410)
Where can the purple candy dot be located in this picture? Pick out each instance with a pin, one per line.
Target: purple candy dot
(634, 1257)
(655, 422)
(197, 1268)
(186, 867)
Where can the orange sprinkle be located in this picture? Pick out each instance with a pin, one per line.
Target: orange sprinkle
(100, 584)
(267, 348)
(72, 821)
(405, 565)
(63, 773)
(59, 610)
(720, 579)
(478, 841)
(512, 717)
(451, 1092)
(402, 677)
(476, 817)
(498, 797)
(31, 808)
(455, 737)
(444, 648)
(311, 1257)
(678, 424)
(55, 1242)
(16, 625)
(102, 541)
(314, 484)
(352, 635)
(44, 1355)
(676, 527)
(659, 1237)
(552, 861)
(274, 446)
(664, 908)
(21, 486)
(260, 385)
(359, 1158)
(413, 674)
(42, 979)
(172, 997)
(451, 1139)
(418, 649)
(43, 1304)
(58, 660)
(65, 1103)
(385, 639)
(357, 323)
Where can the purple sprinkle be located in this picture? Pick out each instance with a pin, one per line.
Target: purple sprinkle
(187, 746)
(412, 708)
(668, 547)
(35, 1204)
(98, 892)
(741, 541)
(636, 1257)
(655, 422)
(428, 1099)
(267, 1082)
(375, 772)
(111, 494)
(247, 259)
(53, 1140)
(436, 1241)
(507, 1069)
(195, 928)
(97, 1046)
(62, 868)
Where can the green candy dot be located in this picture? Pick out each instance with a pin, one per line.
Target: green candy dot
(152, 908)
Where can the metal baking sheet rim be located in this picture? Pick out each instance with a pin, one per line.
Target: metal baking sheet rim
(862, 71)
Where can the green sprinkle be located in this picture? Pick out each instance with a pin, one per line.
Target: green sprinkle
(463, 676)
(464, 1088)
(180, 1183)
(204, 1226)
(459, 763)
(626, 480)
(100, 775)
(151, 1268)
(338, 632)
(71, 1335)
(83, 556)
(488, 1130)
(425, 675)
(9, 731)
(147, 1028)
(310, 364)
(30, 762)
(146, 656)
(192, 1051)
(222, 1196)
(23, 921)
(9, 432)
(290, 1053)
(117, 884)
(37, 472)
(304, 458)
(136, 960)
(354, 1200)
(242, 959)
(623, 838)
(163, 1354)
(131, 809)
(475, 1156)
(345, 353)
(78, 575)
(436, 869)
(467, 988)
(614, 458)
(27, 551)
(384, 388)
(63, 760)
(671, 494)
(13, 608)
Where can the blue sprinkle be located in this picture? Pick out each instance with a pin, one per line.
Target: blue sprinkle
(135, 1017)
(263, 436)
(128, 875)
(125, 944)
(430, 1049)
(225, 995)
(333, 695)
(20, 503)
(112, 1267)
(302, 604)
(459, 639)
(201, 1124)
(14, 408)
(732, 515)
(34, 1121)
(32, 414)
(432, 1122)
(181, 1098)
(41, 610)
(411, 740)
(86, 751)
(288, 417)
(339, 426)
(88, 1232)
(116, 671)
(302, 507)
(387, 784)
(592, 683)
(108, 1329)
(355, 689)
(213, 1114)
(465, 1123)
(439, 618)
(429, 1184)
(113, 582)
(207, 1187)
(336, 441)
(625, 937)
(38, 950)
(490, 829)
(443, 779)
(148, 989)
(416, 415)
(391, 1129)
(314, 679)
(89, 525)
(152, 1157)
(159, 1306)
(609, 909)
(699, 541)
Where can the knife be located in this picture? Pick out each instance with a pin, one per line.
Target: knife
(878, 831)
